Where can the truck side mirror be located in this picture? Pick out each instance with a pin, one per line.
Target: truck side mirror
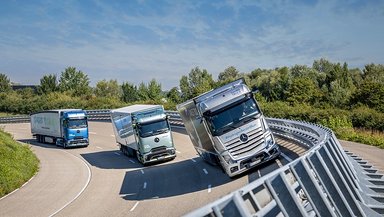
(255, 89)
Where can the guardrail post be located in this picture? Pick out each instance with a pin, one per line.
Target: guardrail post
(329, 184)
(311, 188)
(285, 196)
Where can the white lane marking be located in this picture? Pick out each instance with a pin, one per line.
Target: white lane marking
(286, 157)
(178, 152)
(258, 172)
(193, 160)
(82, 190)
(142, 172)
(99, 147)
(209, 188)
(112, 135)
(155, 197)
(116, 153)
(205, 171)
(132, 161)
(93, 133)
(145, 185)
(134, 207)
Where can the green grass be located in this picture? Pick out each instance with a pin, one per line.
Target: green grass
(361, 136)
(2, 114)
(17, 163)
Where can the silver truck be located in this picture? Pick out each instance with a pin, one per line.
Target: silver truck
(143, 131)
(227, 127)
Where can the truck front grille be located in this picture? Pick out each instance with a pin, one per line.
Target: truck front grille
(159, 152)
(239, 149)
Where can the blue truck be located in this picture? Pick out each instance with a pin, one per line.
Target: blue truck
(64, 127)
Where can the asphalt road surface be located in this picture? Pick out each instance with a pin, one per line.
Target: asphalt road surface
(100, 181)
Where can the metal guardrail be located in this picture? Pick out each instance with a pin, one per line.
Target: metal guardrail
(93, 115)
(325, 181)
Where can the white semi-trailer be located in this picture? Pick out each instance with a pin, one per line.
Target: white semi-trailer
(226, 126)
(65, 127)
(143, 131)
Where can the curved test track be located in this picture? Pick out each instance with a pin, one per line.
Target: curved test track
(120, 186)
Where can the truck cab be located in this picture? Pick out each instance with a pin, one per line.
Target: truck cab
(143, 131)
(154, 138)
(74, 128)
(227, 126)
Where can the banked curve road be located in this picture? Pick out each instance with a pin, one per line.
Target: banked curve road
(100, 181)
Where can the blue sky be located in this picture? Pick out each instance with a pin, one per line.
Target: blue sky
(135, 41)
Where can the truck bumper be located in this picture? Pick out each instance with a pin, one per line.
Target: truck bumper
(77, 143)
(248, 163)
(159, 155)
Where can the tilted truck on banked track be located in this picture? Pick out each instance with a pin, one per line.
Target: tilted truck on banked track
(143, 131)
(64, 127)
(226, 126)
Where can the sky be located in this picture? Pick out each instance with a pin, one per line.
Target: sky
(139, 40)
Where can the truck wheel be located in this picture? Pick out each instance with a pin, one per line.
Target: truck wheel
(130, 152)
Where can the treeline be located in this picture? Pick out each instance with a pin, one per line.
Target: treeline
(327, 93)
(72, 90)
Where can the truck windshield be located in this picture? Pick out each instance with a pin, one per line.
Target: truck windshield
(153, 128)
(229, 118)
(77, 124)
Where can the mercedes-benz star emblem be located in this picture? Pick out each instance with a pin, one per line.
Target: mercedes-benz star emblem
(243, 137)
(157, 139)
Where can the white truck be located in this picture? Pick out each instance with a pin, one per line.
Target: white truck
(227, 127)
(65, 127)
(143, 131)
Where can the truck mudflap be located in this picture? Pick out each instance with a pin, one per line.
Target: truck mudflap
(159, 154)
(253, 161)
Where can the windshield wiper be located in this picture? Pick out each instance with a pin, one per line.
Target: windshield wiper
(249, 116)
(160, 131)
(146, 134)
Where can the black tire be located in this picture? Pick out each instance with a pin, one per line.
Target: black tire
(130, 152)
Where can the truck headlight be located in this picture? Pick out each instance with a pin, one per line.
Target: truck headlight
(268, 142)
(227, 158)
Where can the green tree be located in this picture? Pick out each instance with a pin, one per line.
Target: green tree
(374, 73)
(371, 94)
(109, 89)
(48, 84)
(174, 95)
(154, 90)
(302, 90)
(75, 82)
(228, 75)
(5, 83)
(273, 84)
(142, 92)
(129, 92)
(197, 82)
